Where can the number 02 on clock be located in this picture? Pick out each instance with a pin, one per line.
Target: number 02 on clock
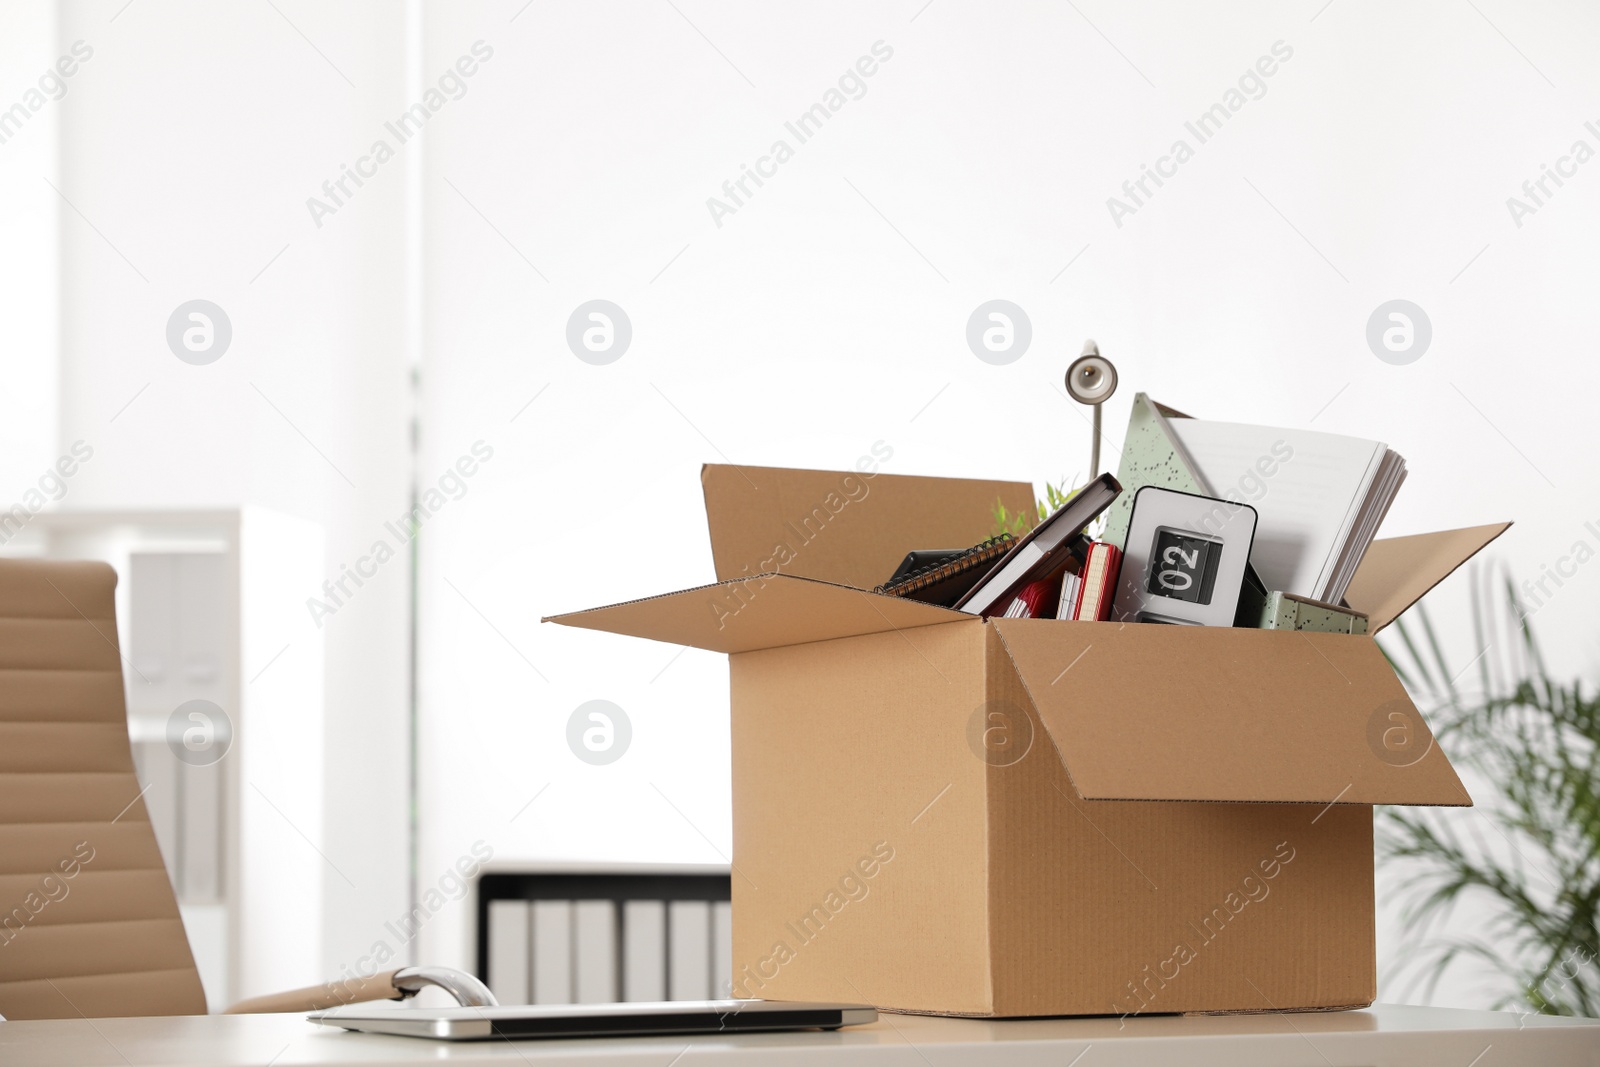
(1183, 566)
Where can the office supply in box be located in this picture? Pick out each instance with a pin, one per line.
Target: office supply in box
(968, 775)
(944, 576)
(1185, 559)
(1097, 590)
(1151, 455)
(1285, 611)
(920, 560)
(1091, 380)
(1320, 496)
(1038, 599)
(1043, 550)
(1071, 588)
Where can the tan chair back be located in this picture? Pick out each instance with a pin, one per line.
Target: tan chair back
(89, 924)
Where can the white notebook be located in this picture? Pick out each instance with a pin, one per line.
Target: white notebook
(1320, 497)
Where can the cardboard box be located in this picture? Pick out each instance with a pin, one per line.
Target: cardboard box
(938, 813)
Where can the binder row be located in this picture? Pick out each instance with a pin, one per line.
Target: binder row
(604, 951)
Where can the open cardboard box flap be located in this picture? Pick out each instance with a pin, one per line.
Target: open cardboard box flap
(765, 611)
(1397, 571)
(841, 526)
(1226, 714)
(835, 534)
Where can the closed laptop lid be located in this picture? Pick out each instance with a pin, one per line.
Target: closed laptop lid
(600, 1020)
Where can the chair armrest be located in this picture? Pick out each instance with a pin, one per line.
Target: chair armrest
(390, 985)
(319, 997)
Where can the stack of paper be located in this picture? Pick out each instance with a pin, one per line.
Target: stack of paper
(1319, 497)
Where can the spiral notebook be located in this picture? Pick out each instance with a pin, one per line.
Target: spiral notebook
(942, 576)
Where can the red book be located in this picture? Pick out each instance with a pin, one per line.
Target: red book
(1035, 600)
(1099, 589)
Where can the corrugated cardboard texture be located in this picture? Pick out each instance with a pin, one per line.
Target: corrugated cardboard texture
(741, 616)
(841, 526)
(841, 748)
(1116, 907)
(106, 941)
(1007, 894)
(1141, 711)
(1397, 571)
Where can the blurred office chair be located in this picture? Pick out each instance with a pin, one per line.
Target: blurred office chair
(89, 924)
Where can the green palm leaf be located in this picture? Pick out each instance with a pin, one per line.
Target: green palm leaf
(1531, 851)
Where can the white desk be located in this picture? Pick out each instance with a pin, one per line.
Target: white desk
(1380, 1036)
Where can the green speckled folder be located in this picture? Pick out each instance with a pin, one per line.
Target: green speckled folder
(1151, 455)
(1285, 611)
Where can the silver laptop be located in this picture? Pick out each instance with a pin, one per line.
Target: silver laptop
(600, 1020)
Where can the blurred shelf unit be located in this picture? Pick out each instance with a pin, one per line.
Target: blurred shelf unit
(211, 607)
(555, 934)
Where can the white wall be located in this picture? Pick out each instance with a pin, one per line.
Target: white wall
(191, 141)
(829, 312)
(29, 275)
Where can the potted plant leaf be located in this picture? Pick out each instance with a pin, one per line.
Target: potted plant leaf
(1530, 852)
